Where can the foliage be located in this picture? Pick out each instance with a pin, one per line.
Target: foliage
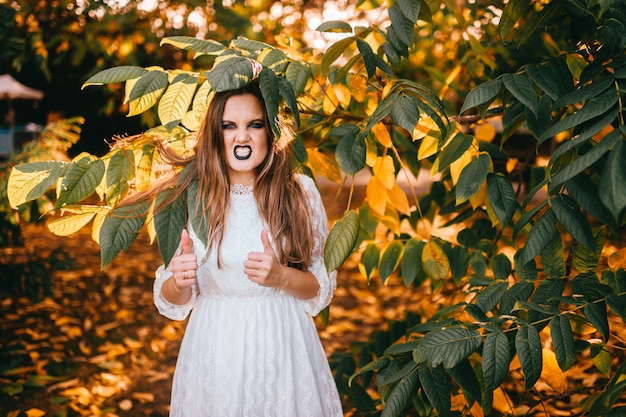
(528, 268)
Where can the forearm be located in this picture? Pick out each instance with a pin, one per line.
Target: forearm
(173, 294)
(300, 284)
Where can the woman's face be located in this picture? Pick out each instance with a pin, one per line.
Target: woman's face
(245, 137)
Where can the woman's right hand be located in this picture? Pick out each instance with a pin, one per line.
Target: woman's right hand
(184, 265)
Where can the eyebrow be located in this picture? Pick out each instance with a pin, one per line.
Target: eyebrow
(249, 121)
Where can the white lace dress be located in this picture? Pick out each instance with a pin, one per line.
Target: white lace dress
(248, 350)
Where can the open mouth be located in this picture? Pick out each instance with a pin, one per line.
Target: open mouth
(242, 152)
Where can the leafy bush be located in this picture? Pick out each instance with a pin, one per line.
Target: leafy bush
(529, 268)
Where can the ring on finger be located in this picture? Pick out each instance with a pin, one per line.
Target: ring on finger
(185, 275)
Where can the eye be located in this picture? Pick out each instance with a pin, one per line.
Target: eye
(228, 125)
(257, 125)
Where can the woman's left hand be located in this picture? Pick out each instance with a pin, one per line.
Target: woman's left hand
(264, 267)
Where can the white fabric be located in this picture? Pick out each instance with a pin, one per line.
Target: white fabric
(248, 350)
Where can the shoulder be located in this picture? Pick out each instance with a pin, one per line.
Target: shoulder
(305, 181)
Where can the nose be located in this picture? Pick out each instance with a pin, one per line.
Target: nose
(242, 135)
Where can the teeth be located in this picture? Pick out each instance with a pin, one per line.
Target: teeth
(243, 152)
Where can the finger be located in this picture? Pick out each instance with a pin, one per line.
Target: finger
(185, 241)
(267, 246)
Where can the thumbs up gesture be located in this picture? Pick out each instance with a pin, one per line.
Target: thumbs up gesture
(185, 264)
(264, 267)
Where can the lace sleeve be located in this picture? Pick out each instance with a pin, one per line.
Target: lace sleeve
(319, 225)
(165, 308)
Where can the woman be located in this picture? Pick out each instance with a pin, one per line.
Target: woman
(251, 347)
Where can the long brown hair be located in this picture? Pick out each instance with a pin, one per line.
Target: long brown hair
(278, 195)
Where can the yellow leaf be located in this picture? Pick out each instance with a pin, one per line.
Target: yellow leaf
(330, 101)
(376, 195)
(551, 373)
(385, 171)
(104, 390)
(428, 147)
(143, 397)
(371, 151)
(511, 164)
(617, 259)
(97, 224)
(35, 412)
(485, 132)
(434, 261)
(397, 198)
(468, 156)
(326, 166)
(358, 83)
(478, 199)
(343, 94)
(382, 135)
(66, 225)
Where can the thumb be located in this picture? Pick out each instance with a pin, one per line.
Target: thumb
(267, 246)
(185, 241)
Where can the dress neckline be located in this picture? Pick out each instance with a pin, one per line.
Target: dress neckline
(240, 189)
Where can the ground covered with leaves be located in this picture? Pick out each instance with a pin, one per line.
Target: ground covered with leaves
(93, 344)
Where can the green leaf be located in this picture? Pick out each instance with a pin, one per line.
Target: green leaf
(288, 95)
(520, 291)
(496, 360)
(528, 347)
(298, 76)
(270, 89)
(538, 237)
(230, 73)
(250, 45)
(465, 376)
(435, 385)
(409, 8)
(372, 366)
(197, 216)
(512, 12)
(31, 180)
(169, 223)
(612, 188)
(585, 93)
(563, 341)
(120, 228)
(390, 259)
(472, 178)
(146, 91)
(120, 170)
(401, 395)
(595, 312)
(81, 179)
(502, 197)
(447, 346)
(586, 160)
(596, 106)
(176, 100)
(553, 258)
(482, 94)
(553, 78)
(404, 112)
(341, 240)
(334, 26)
(350, 151)
(501, 266)
(490, 296)
(370, 259)
(522, 89)
(274, 59)
(334, 52)
(200, 46)
(453, 151)
(585, 192)
(411, 263)
(402, 26)
(586, 260)
(570, 216)
(115, 75)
